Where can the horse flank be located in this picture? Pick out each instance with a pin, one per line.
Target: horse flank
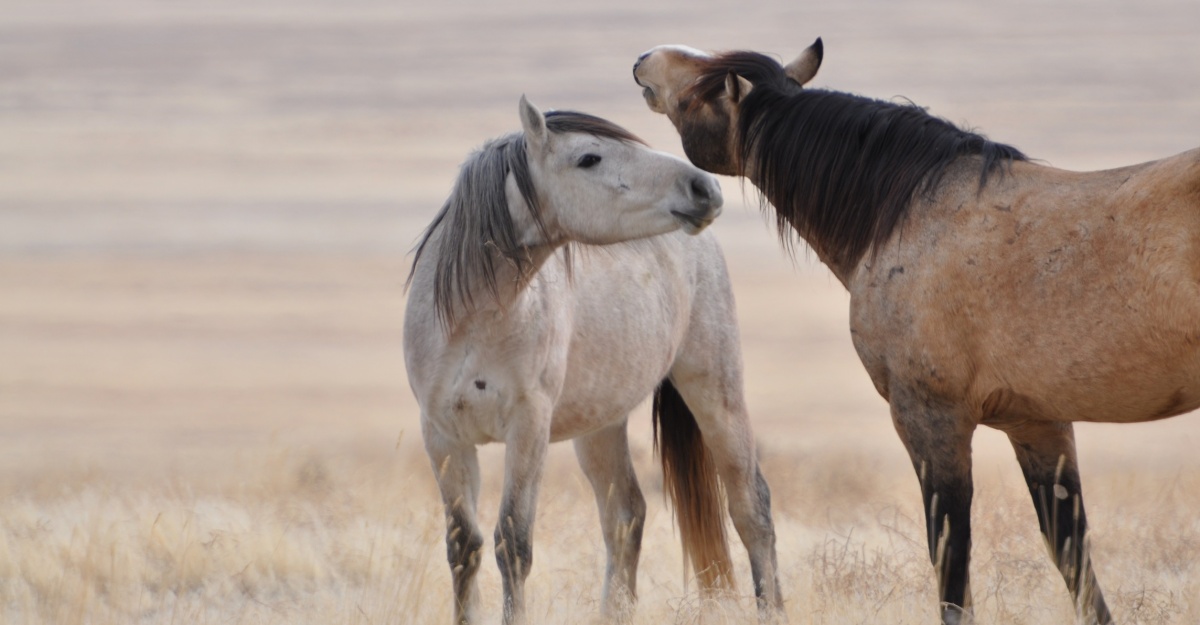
(842, 169)
(478, 233)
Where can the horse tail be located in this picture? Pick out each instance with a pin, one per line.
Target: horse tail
(690, 480)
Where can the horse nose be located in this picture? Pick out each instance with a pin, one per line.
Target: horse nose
(637, 64)
(706, 192)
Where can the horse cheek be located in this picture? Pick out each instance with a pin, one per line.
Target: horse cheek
(707, 146)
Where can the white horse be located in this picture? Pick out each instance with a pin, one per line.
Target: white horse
(513, 336)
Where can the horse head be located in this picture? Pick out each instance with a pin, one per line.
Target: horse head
(700, 93)
(599, 184)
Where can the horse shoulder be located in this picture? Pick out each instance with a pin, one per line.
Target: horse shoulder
(496, 364)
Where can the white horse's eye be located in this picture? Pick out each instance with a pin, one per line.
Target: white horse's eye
(589, 160)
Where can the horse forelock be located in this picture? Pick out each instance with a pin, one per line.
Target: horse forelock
(476, 225)
(841, 169)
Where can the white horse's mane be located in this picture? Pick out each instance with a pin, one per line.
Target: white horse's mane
(479, 233)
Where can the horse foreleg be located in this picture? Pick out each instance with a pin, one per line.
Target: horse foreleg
(604, 457)
(457, 469)
(527, 440)
(939, 443)
(1046, 452)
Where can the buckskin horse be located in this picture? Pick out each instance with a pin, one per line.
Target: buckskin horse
(985, 289)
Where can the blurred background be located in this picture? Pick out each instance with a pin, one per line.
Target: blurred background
(207, 209)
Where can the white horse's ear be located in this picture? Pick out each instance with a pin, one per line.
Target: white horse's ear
(806, 65)
(736, 87)
(534, 124)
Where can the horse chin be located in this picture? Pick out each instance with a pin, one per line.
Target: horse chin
(695, 224)
(711, 165)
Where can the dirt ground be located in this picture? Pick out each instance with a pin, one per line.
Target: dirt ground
(206, 214)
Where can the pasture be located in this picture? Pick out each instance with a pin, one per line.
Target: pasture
(205, 216)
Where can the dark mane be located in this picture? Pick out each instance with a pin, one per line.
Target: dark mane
(842, 169)
(478, 234)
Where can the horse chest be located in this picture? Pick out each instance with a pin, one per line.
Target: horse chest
(907, 330)
(494, 373)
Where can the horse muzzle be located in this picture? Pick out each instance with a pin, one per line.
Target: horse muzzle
(636, 65)
(704, 194)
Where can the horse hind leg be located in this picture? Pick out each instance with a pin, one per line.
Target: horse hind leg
(1046, 453)
(605, 460)
(709, 412)
(938, 440)
(457, 470)
(705, 394)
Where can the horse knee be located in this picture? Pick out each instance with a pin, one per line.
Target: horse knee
(514, 548)
(750, 506)
(637, 510)
(464, 544)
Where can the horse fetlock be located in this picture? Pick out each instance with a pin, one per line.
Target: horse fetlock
(957, 615)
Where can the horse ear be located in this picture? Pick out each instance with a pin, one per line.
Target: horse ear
(736, 87)
(806, 65)
(534, 124)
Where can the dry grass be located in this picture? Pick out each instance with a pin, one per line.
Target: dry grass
(307, 538)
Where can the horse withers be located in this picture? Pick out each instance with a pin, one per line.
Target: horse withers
(556, 290)
(985, 289)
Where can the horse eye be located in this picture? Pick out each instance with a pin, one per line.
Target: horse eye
(589, 160)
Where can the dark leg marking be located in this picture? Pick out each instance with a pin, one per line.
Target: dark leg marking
(948, 520)
(1046, 453)
(514, 556)
(938, 441)
(464, 543)
(762, 512)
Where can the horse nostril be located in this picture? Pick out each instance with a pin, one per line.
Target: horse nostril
(637, 64)
(700, 190)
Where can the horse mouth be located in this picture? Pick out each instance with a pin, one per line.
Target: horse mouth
(693, 223)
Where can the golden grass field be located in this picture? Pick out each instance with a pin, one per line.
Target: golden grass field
(205, 217)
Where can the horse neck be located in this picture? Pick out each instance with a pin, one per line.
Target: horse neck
(511, 279)
(842, 269)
